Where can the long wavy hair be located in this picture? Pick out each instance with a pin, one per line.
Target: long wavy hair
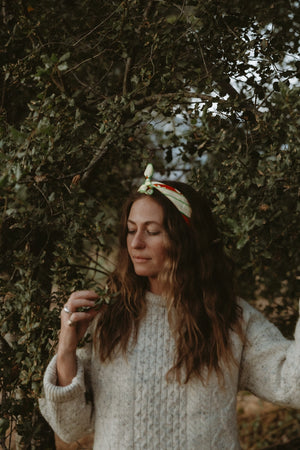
(198, 289)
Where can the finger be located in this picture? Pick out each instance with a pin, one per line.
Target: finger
(72, 305)
(80, 299)
(88, 294)
(78, 317)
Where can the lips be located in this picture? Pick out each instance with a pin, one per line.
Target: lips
(140, 259)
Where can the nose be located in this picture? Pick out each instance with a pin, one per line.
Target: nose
(138, 240)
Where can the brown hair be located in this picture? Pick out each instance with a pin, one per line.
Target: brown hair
(199, 288)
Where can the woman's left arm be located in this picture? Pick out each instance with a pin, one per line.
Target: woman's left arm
(270, 364)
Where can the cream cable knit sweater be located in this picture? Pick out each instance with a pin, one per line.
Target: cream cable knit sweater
(135, 408)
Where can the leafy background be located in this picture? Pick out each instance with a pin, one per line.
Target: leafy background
(90, 92)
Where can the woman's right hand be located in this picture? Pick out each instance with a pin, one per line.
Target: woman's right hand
(73, 327)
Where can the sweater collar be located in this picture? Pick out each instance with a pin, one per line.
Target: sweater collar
(154, 299)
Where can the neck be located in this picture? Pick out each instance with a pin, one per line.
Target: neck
(155, 286)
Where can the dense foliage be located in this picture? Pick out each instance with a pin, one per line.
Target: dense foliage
(90, 92)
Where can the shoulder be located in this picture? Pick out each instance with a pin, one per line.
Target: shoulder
(249, 312)
(256, 325)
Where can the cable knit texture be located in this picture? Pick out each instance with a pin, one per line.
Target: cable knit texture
(134, 407)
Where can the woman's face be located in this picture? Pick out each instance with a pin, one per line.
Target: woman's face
(147, 240)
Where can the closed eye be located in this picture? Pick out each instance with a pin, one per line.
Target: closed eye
(150, 233)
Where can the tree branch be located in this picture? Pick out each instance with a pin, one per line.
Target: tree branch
(94, 162)
(172, 95)
(129, 59)
(127, 68)
(4, 11)
(96, 27)
(145, 101)
(84, 61)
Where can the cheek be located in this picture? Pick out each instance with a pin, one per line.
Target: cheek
(163, 250)
(166, 253)
(128, 242)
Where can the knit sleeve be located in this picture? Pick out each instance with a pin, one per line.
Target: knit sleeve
(270, 364)
(69, 409)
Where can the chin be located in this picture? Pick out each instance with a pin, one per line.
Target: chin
(142, 273)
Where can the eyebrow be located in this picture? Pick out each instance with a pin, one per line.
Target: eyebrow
(148, 222)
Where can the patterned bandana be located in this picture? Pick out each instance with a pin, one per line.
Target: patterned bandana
(175, 196)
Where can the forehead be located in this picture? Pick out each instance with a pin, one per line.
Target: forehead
(146, 209)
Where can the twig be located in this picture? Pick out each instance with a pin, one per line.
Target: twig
(230, 29)
(181, 9)
(3, 94)
(129, 59)
(203, 59)
(4, 11)
(95, 261)
(189, 95)
(95, 28)
(140, 103)
(127, 68)
(84, 61)
(147, 9)
(202, 54)
(99, 155)
(79, 81)
(92, 269)
(43, 195)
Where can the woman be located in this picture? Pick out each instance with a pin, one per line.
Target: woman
(170, 354)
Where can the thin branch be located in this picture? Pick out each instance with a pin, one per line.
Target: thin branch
(43, 195)
(94, 261)
(146, 101)
(96, 27)
(59, 85)
(129, 59)
(79, 81)
(203, 59)
(4, 11)
(189, 95)
(147, 9)
(265, 99)
(230, 29)
(127, 68)
(99, 155)
(3, 94)
(84, 61)
(93, 269)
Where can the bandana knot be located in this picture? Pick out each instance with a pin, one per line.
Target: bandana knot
(147, 187)
(174, 195)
